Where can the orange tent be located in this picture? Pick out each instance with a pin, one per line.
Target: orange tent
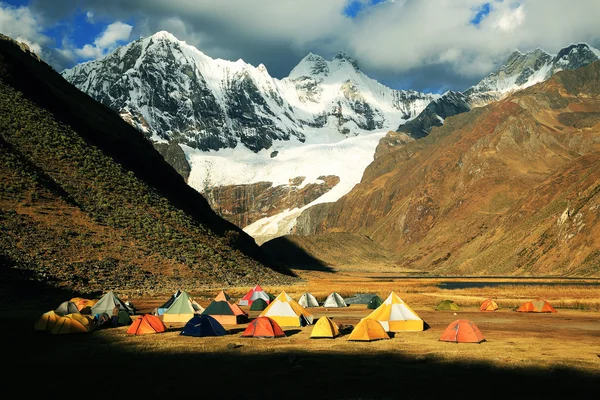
(83, 305)
(222, 296)
(146, 324)
(263, 327)
(538, 305)
(462, 331)
(488, 305)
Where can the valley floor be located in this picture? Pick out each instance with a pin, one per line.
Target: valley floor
(525, 355)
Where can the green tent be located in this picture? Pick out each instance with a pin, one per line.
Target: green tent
(123, 318)
(258, 305)
(447, 305)
(374, 302)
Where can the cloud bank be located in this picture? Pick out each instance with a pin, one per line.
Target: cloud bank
(429, 45)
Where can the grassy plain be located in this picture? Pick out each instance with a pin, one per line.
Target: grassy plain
(525, 355)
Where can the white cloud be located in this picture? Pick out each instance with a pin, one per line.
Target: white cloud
(115, 34)
(90, 17)
(22, 25)
(392, 40)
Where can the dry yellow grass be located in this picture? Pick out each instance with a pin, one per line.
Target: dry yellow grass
(525, 354)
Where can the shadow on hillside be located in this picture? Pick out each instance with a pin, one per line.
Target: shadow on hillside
(244, 370)
(284, 255)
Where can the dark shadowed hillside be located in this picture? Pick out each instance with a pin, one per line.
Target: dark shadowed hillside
(510, 188)
(86, 203)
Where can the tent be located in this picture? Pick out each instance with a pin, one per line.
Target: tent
(537, 305)
(222, 296)
(225, 312)
(203, 325)
(255, 293)
(165, 306)
(375, 302)
(396, 316)
(368, 329)
(308, 300)
(447, 305)
(83, 305)
(263, 327)
(462, 331)
(182, 309)
(334, 300)
(66, 307)
(123, 318)
(46, 321)
(325, 328)
(488, 305)
(287, 312)
(146, 324)
(72, 323)
(108, 302)
(258, 305)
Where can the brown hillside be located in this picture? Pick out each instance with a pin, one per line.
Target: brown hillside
(511, 188)
(87, 204)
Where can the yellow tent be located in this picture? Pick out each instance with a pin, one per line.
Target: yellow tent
(396, 316)
(368, 329)
(287, 312)
(72, 323)
(46, 321)
(325, 328)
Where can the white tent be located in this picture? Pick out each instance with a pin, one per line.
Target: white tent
(308, 300)
(396, 316)
(287, 312)
(334, 300)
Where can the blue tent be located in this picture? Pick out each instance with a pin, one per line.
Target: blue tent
(203, 325)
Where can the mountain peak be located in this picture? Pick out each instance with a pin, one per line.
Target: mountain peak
(164, 35)
(343, 57)
(311, 65)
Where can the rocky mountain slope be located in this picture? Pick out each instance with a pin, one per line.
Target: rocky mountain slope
(87, 204)
(512, 188)
(520, 71)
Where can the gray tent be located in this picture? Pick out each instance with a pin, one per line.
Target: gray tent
(108, 302)
(334, 300)
(308, 300)
(66, 307)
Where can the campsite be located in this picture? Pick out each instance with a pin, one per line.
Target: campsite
(551, 353)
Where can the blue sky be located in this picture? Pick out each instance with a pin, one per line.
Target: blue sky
(431, 46)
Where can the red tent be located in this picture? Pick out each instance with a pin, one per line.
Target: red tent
(255, 293)
(462, 331)
(263, 327)
(538, 305)
(145, 324)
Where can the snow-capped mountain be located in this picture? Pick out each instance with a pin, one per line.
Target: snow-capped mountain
(520, 71)
(323, 120)
(526, 69)
(174, 92)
